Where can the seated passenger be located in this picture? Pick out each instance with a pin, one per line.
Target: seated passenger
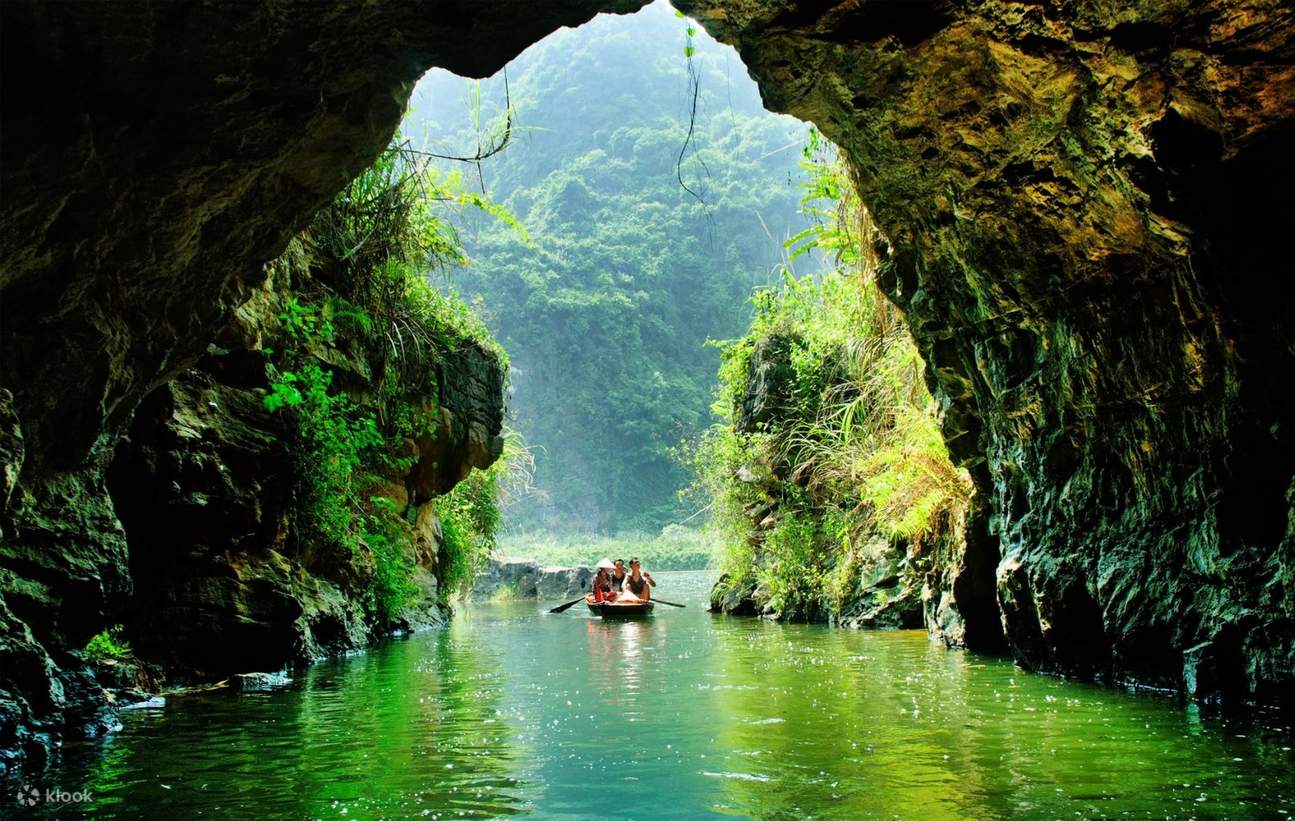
(618, 579)
(637, 584)
(603, 582)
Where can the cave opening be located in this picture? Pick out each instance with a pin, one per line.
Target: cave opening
(1084, 216)
(651, 198)
(606, 303)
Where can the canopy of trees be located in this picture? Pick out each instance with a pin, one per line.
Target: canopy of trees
(630, 258)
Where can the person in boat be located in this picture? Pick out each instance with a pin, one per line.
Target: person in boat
(618, 579)
(638, 584)
(603, 581)
(646, 575)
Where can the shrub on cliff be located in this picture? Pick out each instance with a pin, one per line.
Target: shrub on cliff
(108, 644)
(353, 369)
(828, 468)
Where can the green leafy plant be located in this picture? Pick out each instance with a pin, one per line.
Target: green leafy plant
(361, 296)
(393, 565)
(108, 645)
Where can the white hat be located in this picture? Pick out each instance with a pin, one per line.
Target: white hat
(605, 563)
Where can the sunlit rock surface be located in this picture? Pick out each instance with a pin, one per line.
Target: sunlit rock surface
(508, 579)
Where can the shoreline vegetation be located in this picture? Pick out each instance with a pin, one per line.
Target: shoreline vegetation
(675, 548)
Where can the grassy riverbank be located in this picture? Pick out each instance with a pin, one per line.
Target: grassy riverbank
(674, 548)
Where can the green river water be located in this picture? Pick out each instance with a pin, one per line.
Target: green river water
(511, 711)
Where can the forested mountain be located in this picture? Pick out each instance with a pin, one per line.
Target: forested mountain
(606, 302)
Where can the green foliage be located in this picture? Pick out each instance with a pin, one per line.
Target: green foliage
(470, 519)
(360, 297)
(472, 512)
(385, 232)
(108, 645)
(853, 467)
(393, 564)
(606, 311)
(675, 548)
(336, 441)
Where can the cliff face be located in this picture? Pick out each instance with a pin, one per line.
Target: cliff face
(188, 146)
(226, 573)
(224, 569)
(1087, 204)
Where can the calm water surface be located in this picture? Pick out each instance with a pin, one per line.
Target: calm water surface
(508, 711)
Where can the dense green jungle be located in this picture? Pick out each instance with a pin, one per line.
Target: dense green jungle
(613, 408)
(649, 214)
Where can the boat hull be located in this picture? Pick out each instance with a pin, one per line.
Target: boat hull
(609, 610)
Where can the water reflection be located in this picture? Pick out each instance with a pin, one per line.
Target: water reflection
(511, 710)
(412, 726)
(816, 727)
(618, 653)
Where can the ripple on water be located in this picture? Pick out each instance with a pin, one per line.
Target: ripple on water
(507, 711)
(738, 776)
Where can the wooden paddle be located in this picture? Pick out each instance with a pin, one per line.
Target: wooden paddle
(663, 601)
(562, 608)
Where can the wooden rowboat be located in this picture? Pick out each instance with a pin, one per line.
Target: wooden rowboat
(612, 610)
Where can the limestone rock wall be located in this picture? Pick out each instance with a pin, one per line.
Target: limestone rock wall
(226, 576)
(525, 579)
(155, 157)
(1088, 204)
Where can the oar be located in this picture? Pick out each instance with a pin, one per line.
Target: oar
(562, 608)
(663, 601)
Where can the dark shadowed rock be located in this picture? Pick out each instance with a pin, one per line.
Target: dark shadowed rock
(768, 384)
(736, 597)
(189, 144)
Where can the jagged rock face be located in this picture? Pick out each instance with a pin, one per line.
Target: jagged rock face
(189, 144)
(139, 210)
(1088, 205)
(767, 389)
(524, 579)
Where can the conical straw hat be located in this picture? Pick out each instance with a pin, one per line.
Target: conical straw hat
(605, 563)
